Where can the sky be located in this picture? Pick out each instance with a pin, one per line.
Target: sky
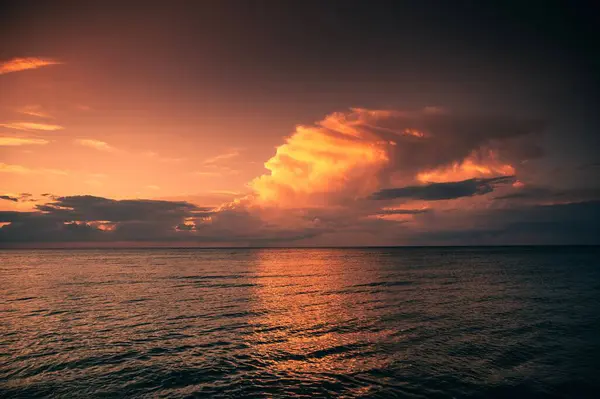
(298, 123)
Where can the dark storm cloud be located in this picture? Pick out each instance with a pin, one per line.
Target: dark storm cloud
(79, 218)
(590, 166)
(402, 211)
(443, 191)
(90, 208)
(96, 219)
(537, 193)
(572, 223)
(9, 198)
(445, 137)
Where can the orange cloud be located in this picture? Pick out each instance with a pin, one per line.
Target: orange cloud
(473, 166)
(414, 133)
(18, 141)
(31, 126)
(95, 144)
(19, 169)
(23, 64)
(334, 156)
(34, 110)
(348, 156)
(323, 178)
(208, 174)
(156, 156)
(221, 157)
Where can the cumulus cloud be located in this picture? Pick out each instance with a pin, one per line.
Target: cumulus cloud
(25, 63)
(19, 141)
(350, 155)
(444, 191)
(361, 177)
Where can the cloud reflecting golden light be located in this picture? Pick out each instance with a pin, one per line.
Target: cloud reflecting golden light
(18, 141)
(19, 169)
(26, 63)
(31, 126)
(471, 167)
(221, 157)
(95, 144)
(326, 158)
(34, 110)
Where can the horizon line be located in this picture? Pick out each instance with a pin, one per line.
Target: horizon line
(301, 247)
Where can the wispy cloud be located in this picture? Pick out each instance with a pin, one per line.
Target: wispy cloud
(208, 174)
(221, 157)
(18, 141)
(156, 156)
(31, 126)
(82, 107)
(216, 170)
(23, 64)
(23, 170)
(34, 110)
(95, 144)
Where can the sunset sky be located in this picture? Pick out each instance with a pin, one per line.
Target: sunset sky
(313, 123)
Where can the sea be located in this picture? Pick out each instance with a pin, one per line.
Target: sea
(453, 322)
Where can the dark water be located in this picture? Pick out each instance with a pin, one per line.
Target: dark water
(465, 322)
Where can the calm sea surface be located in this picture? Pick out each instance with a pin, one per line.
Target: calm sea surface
(412, 322)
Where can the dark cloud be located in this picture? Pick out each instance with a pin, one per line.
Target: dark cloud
(181, 222)
(562, 224)
(83, 218)
(537, 194)
(96, 219)
(448, 137)
(443, 191)
(90, 208)
(23, 197)
(590, 165)
(402, 211)
(9, 198)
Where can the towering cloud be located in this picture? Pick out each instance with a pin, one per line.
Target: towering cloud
(360, 177)
(351, 155)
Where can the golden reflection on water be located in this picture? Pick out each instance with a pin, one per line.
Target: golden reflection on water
(307, 324)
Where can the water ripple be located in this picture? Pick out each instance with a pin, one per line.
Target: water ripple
(353, 323)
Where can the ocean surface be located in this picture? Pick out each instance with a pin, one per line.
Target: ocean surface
(348, 323)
